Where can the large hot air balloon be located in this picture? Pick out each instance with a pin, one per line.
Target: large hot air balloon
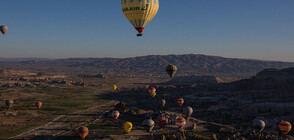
(114, 87)
(161, 122)
(259, 124)
(171, 70)
(140, 12)
(148, 124)
(162, 103)
(115, 114)
(9, 103)
(3, 29)
(38, 105)
(181, 122)
(83, 132)
(127, 126)
(188, 111)
(180, 101)
(285, 127)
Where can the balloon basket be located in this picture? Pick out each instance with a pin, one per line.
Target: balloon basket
(140, 34)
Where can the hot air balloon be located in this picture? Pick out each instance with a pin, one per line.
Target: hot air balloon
(162, 103)
(148, 124)
(83, 132)
(151, 90)
(181, 122)
(161, 122)
(114, 87)
(9, 103)
(127, 126)
(188, 111)
(139, 12)
(180, 101)
(285, 127)
(3, 29)
(259, 124)
(38, 105)
(171, 70)
(115, 114)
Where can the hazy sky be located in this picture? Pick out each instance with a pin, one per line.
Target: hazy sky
(257, 29)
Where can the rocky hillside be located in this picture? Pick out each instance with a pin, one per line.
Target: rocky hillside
(189, 64)
(280, 79)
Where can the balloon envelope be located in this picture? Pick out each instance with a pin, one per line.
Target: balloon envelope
(127, 126)
(181, 122)
(285, 127)
(83, 132)
(115, 114)
(161, 122)
(259, 124)
(140, 12)
(149, 123)
(188, 111)
(180, 101)
(171, 70)
(162, 103)
(114, 87)
(9, 103)
(38, 105)
(3, 29)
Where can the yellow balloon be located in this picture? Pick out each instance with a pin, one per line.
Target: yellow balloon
(114, 87)
(127, 126)
(140, 12)
(153, 94)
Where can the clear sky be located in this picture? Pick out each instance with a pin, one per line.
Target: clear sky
(256, 29)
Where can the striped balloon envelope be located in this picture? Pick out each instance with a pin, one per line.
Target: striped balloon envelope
(115, 114)
(83, 132)
(181, 122)
(171, 70)
(140, 12)
(180, 101)
(285, 127)
(161, 122)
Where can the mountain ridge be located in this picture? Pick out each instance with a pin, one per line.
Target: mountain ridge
(188, 64)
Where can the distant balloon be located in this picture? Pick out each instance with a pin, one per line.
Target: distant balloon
(3, 29)
(162, 103)
(127, 126)
(114, 87)
(149, 124)
(180, 101)
(83, 132)
(188, 111)
(171, 70)
(181, 122)
(161, 122)
(260, 124)
(285, 127)
(115, 114)
(151, 90)
(9, 103)
(38, 105)
(139, 12)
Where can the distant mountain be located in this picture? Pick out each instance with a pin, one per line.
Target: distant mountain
(189, 64)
